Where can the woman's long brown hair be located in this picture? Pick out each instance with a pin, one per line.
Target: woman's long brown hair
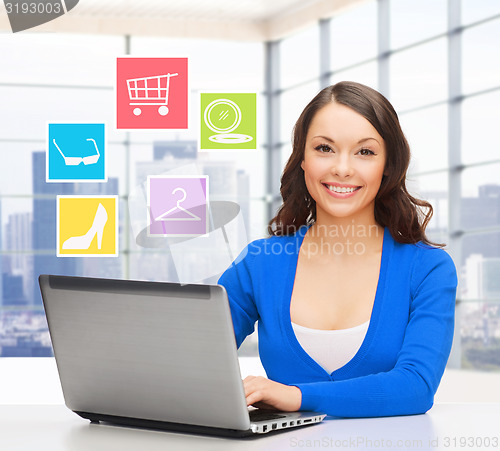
(405, 216)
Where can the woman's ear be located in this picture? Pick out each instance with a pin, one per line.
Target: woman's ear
(302, 164)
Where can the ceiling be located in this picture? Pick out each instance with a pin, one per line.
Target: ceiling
(253, 20)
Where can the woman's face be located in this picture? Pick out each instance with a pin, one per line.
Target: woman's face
(344, 161)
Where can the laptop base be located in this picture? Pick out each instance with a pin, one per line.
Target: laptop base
(95, 418)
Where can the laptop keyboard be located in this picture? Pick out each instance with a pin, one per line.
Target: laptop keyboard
(262, 415)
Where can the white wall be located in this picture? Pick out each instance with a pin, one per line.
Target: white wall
(35, 381)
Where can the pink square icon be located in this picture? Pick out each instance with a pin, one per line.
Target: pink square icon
(177, 205)
(151, 93)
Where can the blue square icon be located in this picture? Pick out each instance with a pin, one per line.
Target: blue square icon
(76, 153)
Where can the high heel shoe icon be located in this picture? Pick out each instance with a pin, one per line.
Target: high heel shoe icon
(97, 228)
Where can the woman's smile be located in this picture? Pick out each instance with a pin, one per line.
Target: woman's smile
(341, 191)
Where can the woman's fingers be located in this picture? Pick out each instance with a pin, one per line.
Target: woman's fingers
(248, 379)
(247, 384)
(253, 386)
(253, 398)
(264, 393)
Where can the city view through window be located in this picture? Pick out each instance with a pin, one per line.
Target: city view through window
(443, 81)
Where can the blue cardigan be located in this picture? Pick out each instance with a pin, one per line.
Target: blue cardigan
(400, 363)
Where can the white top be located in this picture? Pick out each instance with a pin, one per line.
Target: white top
(331, 349)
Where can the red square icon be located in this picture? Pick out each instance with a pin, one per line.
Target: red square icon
(151, 93)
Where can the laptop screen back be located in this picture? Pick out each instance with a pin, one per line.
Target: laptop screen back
(158, 351)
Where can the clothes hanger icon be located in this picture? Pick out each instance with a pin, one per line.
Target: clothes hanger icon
(192, 217)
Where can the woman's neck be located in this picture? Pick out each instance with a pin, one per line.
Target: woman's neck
(345, 237)
(361, 227)
(343, 231)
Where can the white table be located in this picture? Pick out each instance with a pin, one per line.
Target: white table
(55, 428)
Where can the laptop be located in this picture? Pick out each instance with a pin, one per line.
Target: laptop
(153, 354)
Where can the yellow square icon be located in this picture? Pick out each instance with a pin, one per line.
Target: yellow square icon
(87, 226)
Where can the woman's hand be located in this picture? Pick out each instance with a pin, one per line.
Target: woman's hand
(266, 394)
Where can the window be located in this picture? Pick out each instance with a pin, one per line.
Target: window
(479, 122)
(299, 57)
(418, 75)
(353, 36)
(65, 77)
(413, 22)
(479, 68)
(455, 162)
(293, 102)
(433, 187)
(364, 73)
(477, 10)
(426, 130)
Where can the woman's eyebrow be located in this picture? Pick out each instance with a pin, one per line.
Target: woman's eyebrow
(366, 139)
(324, 137)
(332, 141)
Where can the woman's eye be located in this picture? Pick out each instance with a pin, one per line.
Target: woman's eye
(366, 152)
(323, 148)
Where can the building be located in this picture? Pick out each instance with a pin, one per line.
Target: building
(178, 149)
(44, 227)
(18, 241)
(1, 257)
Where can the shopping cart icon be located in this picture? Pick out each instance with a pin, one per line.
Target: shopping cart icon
(150, 91)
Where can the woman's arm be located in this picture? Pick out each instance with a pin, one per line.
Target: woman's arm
(238, 284)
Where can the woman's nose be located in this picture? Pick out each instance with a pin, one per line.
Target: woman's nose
(342, 165)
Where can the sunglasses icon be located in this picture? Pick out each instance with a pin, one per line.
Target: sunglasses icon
(75, 161)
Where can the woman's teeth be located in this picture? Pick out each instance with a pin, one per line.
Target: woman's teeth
(338, 189)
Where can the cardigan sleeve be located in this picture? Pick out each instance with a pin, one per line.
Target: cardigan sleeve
(238, 283)
(410, 386)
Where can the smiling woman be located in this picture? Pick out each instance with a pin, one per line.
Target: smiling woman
(355, 113)
(355, 305)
